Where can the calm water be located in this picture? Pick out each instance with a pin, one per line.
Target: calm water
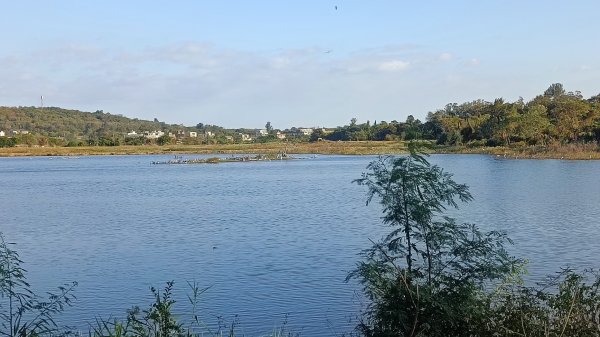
(271, 239)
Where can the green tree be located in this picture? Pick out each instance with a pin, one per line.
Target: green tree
(269, 127)
(318, 134)
(164, 140)
(7, 142)
(533, 125)
(427, 276)
(412, 128)
(571, 116)
(555, 90)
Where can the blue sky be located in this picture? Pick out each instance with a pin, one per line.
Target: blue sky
(293, 63)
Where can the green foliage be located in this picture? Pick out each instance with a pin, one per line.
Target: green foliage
(555, 90)
(433, 277)
(427, 276)
(555, 116)
(567, 304)
(7, 142)
(159, 320)
(552, 117)
(22, 312)
(267, 139)
(97, 128)
(164, 140)
(317, 135)
(57, 122)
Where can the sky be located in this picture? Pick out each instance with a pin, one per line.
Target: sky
(296, 63)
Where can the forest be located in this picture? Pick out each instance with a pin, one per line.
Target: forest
(556, 116)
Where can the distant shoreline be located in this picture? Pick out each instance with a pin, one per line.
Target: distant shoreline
(567, 152)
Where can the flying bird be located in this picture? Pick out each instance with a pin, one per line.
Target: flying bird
(335, 7)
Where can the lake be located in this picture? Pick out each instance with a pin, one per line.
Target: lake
(274, 240)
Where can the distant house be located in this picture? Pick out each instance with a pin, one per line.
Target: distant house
(2, 134)
(229, 138)
(153, 134)
(299, 132)
(209, 134)
(261, 132)
(280, 135)
(132, 134)
(245, 137)
(193, 134)
(20, 132)
(306, 131)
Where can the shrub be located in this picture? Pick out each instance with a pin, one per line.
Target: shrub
(23, 313)
(428, 275)
(433, 277)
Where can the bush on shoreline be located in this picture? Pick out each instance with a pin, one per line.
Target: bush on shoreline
(432, 277)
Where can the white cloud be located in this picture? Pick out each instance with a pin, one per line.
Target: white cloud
(394, 65)
(445, 57)
(474, 62)
(280, 62)
(195, 82)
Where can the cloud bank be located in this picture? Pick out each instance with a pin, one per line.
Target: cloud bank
(196, 82)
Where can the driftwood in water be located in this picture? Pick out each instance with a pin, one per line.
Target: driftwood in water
(232, 159)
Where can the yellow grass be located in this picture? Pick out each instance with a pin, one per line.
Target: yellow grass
(589, 151)
(568, 152)
(350, 148)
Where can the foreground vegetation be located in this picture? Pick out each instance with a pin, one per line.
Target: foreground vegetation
(429, 277)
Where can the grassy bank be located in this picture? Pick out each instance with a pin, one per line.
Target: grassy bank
(346, 148)
(566, 152)
(571, 152)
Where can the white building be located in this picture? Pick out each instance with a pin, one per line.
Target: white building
(153, 134)
(193, 134)
(245, 137)
(306, 131)
(2, 134)
(299, 132)
(132, 134)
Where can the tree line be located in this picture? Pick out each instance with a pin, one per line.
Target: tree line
(556, 116)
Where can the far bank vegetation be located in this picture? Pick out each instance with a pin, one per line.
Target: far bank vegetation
(550, 122)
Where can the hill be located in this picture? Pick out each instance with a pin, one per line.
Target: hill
(64, 123)
(58, 126)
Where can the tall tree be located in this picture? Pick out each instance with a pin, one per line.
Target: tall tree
(533, 125)
(571, 117)
(555, 90)
(424, 277)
